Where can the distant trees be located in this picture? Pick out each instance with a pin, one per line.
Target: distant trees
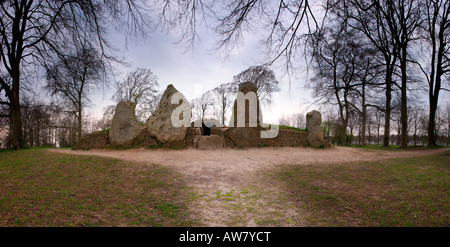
(436, 33)
(388, 36)
(73, 76)
(31, 31)
(203, 105)
(380, 43)
(263, 78)
(141, 88)
(297, 120)
(224, 99)
(216, 102)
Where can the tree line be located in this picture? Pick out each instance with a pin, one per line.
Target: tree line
(378, 56)
(373, 61)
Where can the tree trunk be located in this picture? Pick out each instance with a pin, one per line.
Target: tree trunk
(16, 136)
(404, 108)
(387, 119)
(79, 125)
(16, 125)
(363, 117)
(431, 140)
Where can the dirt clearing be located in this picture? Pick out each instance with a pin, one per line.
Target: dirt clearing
(230, 186)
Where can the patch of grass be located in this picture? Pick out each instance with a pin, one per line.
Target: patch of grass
(102, 131)
(291, 128)
(41, 188)
(392, 147)
(168, 210)
(398, 192)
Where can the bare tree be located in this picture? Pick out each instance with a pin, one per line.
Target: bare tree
(416, 112)
(29, 29)
(106, 120)
(369, 18)
(202, 104)
(73, 77)
(139, 87)
(436, 32)
(224, 99)
(336, 56)
(263, 78)
(287, 23)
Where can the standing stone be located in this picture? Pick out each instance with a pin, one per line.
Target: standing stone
(245, 88)
(125, 126)
(315, 131)
(250, 133)
(160, 124)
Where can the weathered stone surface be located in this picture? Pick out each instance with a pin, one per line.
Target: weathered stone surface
(160, 124)
(192, 136)
(250, 133)
(94, 140)
(289, 138)
(226, 135)
(218, 131)
(210, 142)
(250, 137)
(248, 112)
(315, 131)
(125, 126)
(145, 140)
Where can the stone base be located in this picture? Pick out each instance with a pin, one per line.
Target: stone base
(94, 140)
(210, 142)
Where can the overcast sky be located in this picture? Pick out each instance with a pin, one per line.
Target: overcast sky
(193, 71)
(197, 70)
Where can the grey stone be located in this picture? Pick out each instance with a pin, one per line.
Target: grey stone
(315, 131)
(160, 125)
(125, 126)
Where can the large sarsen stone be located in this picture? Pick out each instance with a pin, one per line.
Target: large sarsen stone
(315, 131)
(125, 127)
(169, 122)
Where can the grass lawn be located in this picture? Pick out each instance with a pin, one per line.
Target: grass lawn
(396, 192)
(391, 147)
(41, 188)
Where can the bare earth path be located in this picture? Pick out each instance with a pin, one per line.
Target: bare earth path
(230, 188)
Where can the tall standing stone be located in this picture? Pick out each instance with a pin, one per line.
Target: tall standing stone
(160, 124)
(315, 131)
(244, 112)
(125, 126)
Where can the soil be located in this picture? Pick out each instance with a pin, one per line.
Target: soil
(239, 172)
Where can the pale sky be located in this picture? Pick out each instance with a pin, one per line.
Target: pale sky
(201, 69)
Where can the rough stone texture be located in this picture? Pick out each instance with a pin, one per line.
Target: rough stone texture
(245, 88)
(144, 139)
(210, 142)
(315, 131)
(94, 140)
(289, 138)
(125, 126)
(192, 136)
(246, 136)
(227, 138)
(159, 124)
(218, 131)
